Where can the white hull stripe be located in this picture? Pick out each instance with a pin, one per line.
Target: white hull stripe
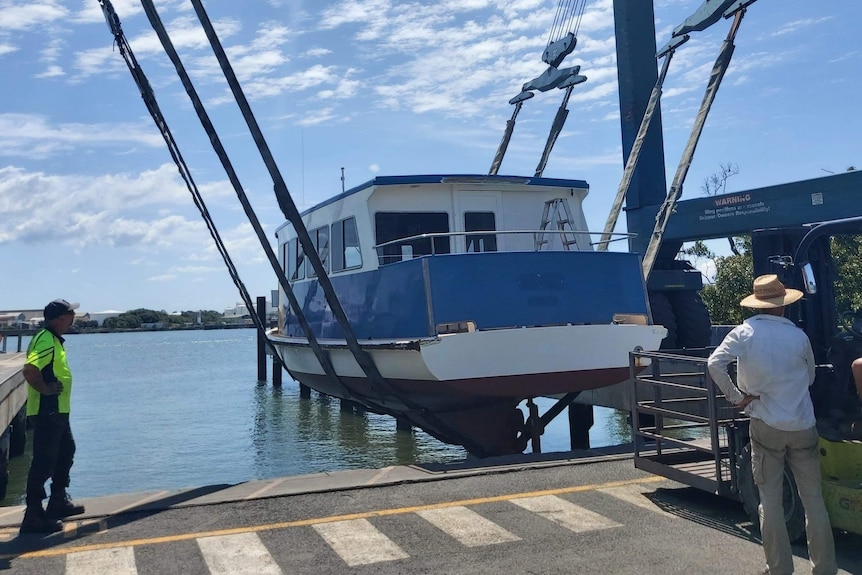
(237, 555)
(562, 512)
(358, 542)
(467, 526)
(119, 561)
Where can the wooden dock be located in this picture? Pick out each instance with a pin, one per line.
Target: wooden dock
(13, 397)
(13, 389)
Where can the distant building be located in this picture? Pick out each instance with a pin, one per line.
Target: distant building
(100, 316)
(13, 319)
(241, 314)
(31, 318)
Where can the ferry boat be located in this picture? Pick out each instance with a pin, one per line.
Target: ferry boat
(470, 293)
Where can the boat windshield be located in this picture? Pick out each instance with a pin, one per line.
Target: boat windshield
(390, 226)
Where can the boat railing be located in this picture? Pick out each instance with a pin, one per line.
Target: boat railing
(433, 243)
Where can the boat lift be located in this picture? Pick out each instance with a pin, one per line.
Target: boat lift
(566, 78)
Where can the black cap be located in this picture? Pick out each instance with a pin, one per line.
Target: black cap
(57, 308)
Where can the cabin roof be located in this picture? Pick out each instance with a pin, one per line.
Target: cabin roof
(452, 178)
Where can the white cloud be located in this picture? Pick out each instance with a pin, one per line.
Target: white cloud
(51, 72)
(79, 210)
(317, 117)
(32, 136)
(29, 15)
(317, 52)
(796, 25)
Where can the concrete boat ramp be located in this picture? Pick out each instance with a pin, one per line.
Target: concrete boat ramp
(580, 512)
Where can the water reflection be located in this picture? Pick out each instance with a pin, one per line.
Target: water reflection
(294, 435)
(19, 467)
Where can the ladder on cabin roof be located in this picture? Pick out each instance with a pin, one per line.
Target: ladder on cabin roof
(556, 219)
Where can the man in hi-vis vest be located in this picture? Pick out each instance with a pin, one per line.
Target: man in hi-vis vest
(48, 402)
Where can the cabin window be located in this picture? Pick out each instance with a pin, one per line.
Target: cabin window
(391, 226)
(320, 239)
(295, 260)
(345, 246)
(480, 222)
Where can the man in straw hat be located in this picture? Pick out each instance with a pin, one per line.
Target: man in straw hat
(775, 367)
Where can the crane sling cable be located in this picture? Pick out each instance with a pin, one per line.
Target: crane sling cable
(576, 14)
(634, 154)
(285, 201)
(561, 41)
(666, 209)
(152, 105)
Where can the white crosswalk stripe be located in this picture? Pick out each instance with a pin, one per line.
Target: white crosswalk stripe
(565, 513)
(358, 542)
(467, 526)
(237, 555)
(635, 494)
(118, 561)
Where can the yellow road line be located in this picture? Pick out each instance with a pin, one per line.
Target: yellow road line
(319, 520)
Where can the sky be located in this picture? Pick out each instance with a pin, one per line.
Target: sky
(92, 208)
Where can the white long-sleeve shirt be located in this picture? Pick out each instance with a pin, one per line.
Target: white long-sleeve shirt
(775, 362)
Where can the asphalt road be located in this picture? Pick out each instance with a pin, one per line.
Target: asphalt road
(587, 518)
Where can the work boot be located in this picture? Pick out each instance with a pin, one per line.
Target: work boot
(60, 506)
(37, 521)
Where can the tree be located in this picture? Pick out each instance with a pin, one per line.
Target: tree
(716, 184)
(734, 276)
(847, 255)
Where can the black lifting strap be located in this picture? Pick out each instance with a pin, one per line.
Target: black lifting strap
(153, 107)
(363, 358)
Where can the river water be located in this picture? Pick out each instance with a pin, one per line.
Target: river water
(178, 409)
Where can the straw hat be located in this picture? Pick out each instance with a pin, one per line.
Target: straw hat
(769, 292)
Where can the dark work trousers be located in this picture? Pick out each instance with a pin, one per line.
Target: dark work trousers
(53, 452)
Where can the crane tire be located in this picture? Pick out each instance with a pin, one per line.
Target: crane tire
(693, 327)
(662, 314)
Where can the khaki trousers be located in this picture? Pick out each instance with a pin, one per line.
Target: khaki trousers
(770, 448)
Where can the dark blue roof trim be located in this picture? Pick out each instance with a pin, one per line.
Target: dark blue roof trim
(443, 178)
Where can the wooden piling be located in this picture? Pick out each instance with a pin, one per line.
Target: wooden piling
(261, 340)
(580, 422)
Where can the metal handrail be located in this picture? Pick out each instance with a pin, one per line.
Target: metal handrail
(667, 407)
(434, 235)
